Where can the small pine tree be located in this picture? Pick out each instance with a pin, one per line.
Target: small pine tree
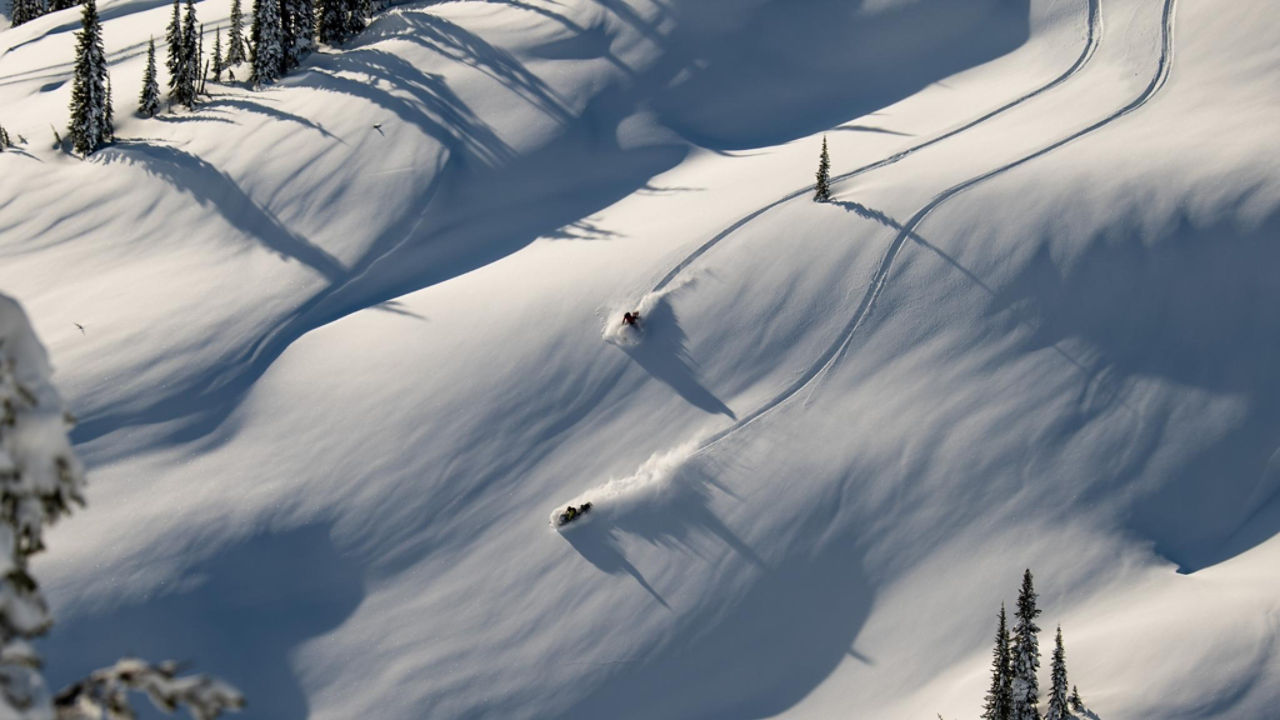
(1058, 705)
(149, 99)
(235, 37)
(268, 51)
(822, 191)
(1000, 697)
(217, 55)
(1026, 654)
(91, 116)
(1076, 703)
(5, 142)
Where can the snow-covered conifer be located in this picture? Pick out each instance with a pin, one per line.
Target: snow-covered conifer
(1058, 707)
(822, 192)
(91, 126)
(149, 99)
(1026, 654)
(188, 66)
(5, 142)
(55, 5)
(298, 25)
(40, 481)
(1000, 696)
(268, 48)
(173, 42)
(235, 37)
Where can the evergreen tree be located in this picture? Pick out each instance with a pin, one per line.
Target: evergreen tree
(1077, 704)
(149, 100)
(1057, 708)
(217, 55)
(332, 26)
(1026, 654)
(235, 37)
(299, 22)
(356, 12)
(823, 190)
(26, 10)
(173, 41)
(999, 698)
(188, 66)
(5, 142)
(42, 481)
(268, 50)
(56, 5)
(90, 95)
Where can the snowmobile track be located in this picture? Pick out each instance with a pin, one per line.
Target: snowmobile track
(879, 280)
(1091, 45)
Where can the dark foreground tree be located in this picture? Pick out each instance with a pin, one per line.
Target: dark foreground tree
(40, 481)
(999, 700)
(822, 193)
(25, 11)
(149, 99)
(1026, 654)
(90, 94)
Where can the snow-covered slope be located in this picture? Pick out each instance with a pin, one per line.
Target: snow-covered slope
(335, 377)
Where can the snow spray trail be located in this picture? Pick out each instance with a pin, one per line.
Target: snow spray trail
(1094, 30)
(878, 281)
(649, 489)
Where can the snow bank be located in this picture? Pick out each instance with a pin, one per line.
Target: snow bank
(652, 487)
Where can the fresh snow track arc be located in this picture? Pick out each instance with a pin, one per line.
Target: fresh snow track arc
(878, 281)
(1094, 35)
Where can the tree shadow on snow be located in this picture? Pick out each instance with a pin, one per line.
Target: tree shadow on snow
(210, 186)
(1191, 307)
(238, 614)
(664, 354)
(754, 654)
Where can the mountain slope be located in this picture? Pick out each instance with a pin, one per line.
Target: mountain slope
(335, 378)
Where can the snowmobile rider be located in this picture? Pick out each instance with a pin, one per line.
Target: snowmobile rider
(631, 318)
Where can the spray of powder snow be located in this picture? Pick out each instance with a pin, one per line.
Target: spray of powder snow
(624, 336)
(651, 486)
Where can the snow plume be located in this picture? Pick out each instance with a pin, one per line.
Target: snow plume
(651, 487)
(615, 333)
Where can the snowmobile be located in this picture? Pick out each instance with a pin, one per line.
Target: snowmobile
(572, 513)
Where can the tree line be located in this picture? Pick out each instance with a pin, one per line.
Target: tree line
(280, 35)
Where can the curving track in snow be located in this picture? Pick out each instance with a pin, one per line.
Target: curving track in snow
(878, 281)
(1094, 30)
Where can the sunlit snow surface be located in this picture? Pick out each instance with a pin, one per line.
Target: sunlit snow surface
(334, 377)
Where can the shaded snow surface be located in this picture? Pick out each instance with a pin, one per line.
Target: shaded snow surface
(333, 377)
